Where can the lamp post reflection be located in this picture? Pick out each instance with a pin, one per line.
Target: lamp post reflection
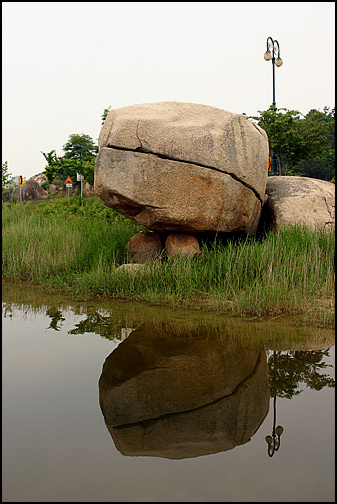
(274, 441)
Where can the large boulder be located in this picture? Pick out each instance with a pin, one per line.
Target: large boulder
(30, 190)
(183, 167)
(299, 200)
(183, 396)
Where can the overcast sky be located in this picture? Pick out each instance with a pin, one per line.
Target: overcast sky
(63, 63)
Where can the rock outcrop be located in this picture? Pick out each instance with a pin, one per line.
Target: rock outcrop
(30, 190)
(299, 200)
(183, 167)
(39, 178)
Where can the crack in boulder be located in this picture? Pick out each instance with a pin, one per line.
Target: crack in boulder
(161, 156)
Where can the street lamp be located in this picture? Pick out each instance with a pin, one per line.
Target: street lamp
(273, 53)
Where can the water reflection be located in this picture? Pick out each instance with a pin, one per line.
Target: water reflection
(290, 368)
(104, 325)
(183, 396)
(199, 392)
(54, 350)
(287, 369)
(56, 316)
(183, 384)
(274, 441)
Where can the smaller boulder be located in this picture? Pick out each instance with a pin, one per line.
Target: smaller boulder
(181, 244)
(144, 246)
(299, 200)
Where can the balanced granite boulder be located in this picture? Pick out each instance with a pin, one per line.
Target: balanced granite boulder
(183, 167)
(299, 200)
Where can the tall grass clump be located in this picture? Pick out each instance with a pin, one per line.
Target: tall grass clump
(54, 242)
(290, 271)
(77, 244)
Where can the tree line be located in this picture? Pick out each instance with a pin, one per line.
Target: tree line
(304, 145)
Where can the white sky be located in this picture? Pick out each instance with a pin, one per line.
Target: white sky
(64, 62)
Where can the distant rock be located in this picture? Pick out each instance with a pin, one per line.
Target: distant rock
(88, 190)
(54, 189)
(39, 178)
(30, 190)
(299, 200)
(183, 167)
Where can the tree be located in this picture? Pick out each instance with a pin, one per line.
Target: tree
(53, 165)
(88, 170)
(7, 184)
(80, 154)
(293, 136)
(5, 175)
(80, 147)
(105, 113)
(322, 167)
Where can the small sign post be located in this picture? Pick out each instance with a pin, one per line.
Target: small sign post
(68, 184)
(80, 179)
(21, 182)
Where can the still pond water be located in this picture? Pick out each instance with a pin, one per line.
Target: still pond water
(119, 401)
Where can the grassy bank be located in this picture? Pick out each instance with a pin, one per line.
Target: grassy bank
(75, 245)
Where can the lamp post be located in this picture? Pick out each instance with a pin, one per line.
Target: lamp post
(273, 53)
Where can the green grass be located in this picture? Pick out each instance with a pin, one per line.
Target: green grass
(75, 244)
(59, 240)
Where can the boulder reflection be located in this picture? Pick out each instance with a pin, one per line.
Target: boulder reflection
(183, 396)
